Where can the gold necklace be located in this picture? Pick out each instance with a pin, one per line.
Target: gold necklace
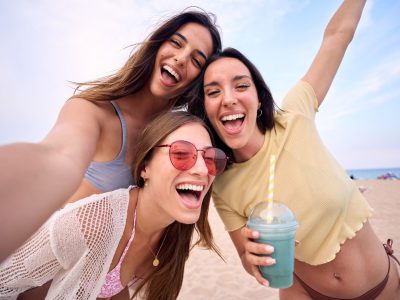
(156, 262)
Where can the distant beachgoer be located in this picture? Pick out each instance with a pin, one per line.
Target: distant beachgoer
(339, 255)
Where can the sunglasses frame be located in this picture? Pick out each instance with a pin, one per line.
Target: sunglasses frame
(196, 155)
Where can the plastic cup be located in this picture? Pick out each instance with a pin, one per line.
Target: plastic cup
(278, 232)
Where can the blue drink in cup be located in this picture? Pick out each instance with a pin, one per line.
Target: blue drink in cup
(277, 227)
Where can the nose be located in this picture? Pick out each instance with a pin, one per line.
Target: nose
(181, 57)
(200, 167)
(228, 98)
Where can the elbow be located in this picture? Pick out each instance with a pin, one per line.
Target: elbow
(343, 35)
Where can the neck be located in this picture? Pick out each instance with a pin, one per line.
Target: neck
(149, 222)
(250, 149)
(143, 104)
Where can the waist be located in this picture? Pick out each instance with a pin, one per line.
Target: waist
(345, 276)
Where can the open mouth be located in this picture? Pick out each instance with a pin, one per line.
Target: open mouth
(233, 122)
(190, 192)
(170, 75)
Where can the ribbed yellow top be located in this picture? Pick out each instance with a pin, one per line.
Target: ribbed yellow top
(324, 200)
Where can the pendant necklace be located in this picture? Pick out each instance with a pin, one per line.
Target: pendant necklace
(156, 261)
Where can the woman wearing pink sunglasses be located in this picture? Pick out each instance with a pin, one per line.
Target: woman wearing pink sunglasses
(138, 237)
(89, 149)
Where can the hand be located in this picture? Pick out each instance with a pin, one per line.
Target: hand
(251, 258)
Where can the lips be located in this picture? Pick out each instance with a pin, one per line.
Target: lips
(169, 76)
(233, 123)
(190, 194)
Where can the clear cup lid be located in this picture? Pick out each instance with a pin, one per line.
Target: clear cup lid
(278, 214)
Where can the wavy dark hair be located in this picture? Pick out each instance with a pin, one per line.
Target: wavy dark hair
(264, 122)
(137, 70)
(165, 281)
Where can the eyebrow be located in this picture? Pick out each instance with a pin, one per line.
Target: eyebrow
(186, 41)
(236, 78)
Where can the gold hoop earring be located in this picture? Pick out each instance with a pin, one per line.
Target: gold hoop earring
(145, 181)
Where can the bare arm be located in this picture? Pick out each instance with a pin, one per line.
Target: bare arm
(35, 179)
(247, 250)
(338, 35)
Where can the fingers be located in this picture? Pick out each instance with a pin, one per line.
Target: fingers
(256, 254)
(249, 233)
(257, 261)
(258, 276)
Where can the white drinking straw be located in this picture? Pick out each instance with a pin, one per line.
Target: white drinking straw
(272, 162)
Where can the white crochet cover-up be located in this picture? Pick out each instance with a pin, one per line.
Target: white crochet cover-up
(74, 249)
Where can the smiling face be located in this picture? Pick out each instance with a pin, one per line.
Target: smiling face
(178, 195)
(180, 59)
(231, 103)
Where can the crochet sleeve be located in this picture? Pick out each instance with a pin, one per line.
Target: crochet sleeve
(32, 265)
(54, 248)
(74, 249)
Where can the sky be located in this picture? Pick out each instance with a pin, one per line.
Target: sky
(46, 45)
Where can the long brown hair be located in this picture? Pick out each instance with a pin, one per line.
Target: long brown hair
(137, 70)
(264, 122)
(165, 281)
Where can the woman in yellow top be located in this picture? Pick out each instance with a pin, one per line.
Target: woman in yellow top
(339, 255)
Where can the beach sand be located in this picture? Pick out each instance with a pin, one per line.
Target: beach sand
(208, 277)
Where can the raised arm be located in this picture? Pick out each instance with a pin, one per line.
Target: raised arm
(36, 179)
(337, 36)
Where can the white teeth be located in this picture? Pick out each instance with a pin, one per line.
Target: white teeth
(186, 186)
(232, 117)
(172, 72)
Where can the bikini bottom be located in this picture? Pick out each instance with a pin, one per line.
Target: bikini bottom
(369, 295)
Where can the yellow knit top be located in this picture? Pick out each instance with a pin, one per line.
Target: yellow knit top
(325, 201)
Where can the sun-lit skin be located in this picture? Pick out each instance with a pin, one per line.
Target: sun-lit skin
(180, 60)
(164, 179)
(231, 103)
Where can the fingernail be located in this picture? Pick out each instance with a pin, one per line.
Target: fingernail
(269, 248)
(254, 234)
(270, 261)
(265, 283)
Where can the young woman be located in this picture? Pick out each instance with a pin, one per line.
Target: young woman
(90, 148)
(339, 255)
(141, 236)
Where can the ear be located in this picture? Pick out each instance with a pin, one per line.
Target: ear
(259, 105)
(144, 173)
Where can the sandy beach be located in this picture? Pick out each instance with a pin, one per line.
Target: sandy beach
(208, 277)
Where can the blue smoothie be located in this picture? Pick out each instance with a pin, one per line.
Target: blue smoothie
(279, 275)
(277, 227)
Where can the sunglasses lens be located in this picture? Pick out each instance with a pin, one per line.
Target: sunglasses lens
(215, 160)
(183, 155)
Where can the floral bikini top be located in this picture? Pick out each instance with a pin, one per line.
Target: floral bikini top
(112, 286)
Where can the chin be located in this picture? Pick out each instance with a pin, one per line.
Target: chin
(234, 144)
(189, 219)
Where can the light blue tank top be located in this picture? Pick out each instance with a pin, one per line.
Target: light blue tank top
(115, 174)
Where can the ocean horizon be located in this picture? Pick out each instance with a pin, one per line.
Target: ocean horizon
(372, 173)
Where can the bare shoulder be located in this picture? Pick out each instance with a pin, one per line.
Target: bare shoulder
(80, 106)
(84, 115)
(79, 126)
